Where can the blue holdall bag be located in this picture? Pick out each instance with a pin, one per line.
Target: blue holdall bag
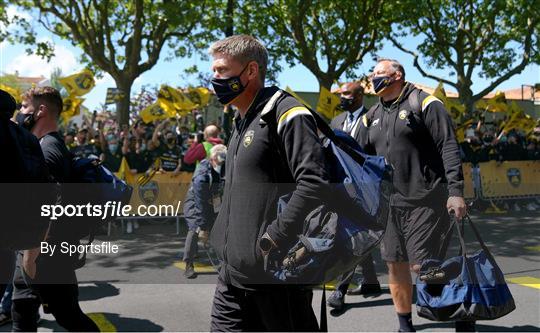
(340, 233)
(463, 288)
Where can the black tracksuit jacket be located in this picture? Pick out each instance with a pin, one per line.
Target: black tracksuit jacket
(257, 173)
(420, 145)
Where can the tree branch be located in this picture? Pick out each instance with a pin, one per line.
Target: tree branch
(517, 69)
(417, 64)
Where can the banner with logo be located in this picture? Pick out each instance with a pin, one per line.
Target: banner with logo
(161, 189)
(510, 179)
(113, 95)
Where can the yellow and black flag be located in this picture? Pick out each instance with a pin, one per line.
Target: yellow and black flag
(72, 107)
(113, 95)
(495, 104)
(174, 101)
(200, 96)
(328, 103)
(79, 84)
(154, 112)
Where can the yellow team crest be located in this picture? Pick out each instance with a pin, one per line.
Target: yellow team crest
(514, 177)
(248, 138)
(234, 85)
(403, 114)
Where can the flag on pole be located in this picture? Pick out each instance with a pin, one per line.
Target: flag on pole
(290, 91)
(174, 101)
(72, 107)
(199, 96)
(124, 172)
(154, 112)
(80, 83)
(327, 104)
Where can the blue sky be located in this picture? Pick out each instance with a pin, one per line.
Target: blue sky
(14, 57)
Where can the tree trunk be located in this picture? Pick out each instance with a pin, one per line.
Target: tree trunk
(326, 82)
(466, 98)
(123, 105)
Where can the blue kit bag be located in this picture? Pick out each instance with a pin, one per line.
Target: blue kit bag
(464, 288)
(340, 233)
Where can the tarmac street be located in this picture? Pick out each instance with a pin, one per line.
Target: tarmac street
(142, 288)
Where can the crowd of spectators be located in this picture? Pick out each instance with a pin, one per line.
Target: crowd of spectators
(486, 143)
(161, 145)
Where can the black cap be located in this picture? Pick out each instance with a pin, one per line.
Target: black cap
(8, 105)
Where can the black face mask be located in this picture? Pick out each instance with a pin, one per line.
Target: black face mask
(170, 141)
(26, 120)
(228, 89)
(346, 103)
(381, 82)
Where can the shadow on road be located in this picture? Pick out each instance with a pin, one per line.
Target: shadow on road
(98, 291)
(121, 324)
(362, 304)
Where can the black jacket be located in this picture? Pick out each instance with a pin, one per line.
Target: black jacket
(198, 204)
(257, 173)
(420, 145)
(23, 188)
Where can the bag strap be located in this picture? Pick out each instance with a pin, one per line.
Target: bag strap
(414, 101)
(482, 244)
(326, 130)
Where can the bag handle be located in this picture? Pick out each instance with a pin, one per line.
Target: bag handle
(461, 236)
(483, 245)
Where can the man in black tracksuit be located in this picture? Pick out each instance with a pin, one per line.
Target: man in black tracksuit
(40, 278)
(413, 131)
(271, 152)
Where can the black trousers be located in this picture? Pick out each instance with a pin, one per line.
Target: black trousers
(7, 267)
(55, 287)
(369, 275)
(271, 308)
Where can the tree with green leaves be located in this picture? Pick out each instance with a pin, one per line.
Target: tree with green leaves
(493, 39)
(330, 38)
(121, 37)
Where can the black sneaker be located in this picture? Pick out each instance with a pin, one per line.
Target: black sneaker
(336, 300)
(190, 271)
(5, 319)
(366, 289)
